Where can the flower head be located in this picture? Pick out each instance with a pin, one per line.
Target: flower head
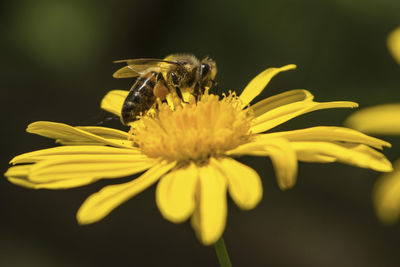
(194, 132)
(190, 148)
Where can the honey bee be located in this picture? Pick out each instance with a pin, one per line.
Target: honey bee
(156, 78)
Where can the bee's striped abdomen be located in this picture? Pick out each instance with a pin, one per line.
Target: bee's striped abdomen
(140, 98)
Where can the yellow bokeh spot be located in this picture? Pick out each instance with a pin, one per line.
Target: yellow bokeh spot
(393, 43)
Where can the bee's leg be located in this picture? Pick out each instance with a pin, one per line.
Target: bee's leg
(159, 77)
(196, 91)
(179, 93)
(160, 90)
(214, 85)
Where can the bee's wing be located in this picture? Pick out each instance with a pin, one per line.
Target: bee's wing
(125, 72)
(140, 66)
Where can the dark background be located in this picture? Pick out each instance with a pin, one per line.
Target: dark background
(56, 65)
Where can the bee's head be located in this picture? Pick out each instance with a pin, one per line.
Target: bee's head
(207, 70)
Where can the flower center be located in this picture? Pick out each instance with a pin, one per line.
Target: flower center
(194, 131)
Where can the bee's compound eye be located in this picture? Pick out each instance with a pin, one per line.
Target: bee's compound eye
(174, 78)
(204, 70)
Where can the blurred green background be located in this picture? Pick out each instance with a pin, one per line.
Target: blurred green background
(57, 63)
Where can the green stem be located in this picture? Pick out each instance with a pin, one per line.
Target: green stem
(222, 253)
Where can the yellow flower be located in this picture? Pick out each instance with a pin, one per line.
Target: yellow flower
(380, 119)
(386, 196)
(393, 43)
(189, 149)
(384, 119)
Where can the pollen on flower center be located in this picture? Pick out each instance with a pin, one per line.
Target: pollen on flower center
(195, 131)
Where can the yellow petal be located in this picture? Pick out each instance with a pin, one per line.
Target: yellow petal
(282, 99)
(307, 156)
(354, 154)
(64, 184)
(386, 196)
(284, 113)
(18, 171)
(393, 43)
(282, 155)
(244, 184)
(327, 133)
(19, 175)
(285, 163)
(258, 83)
(107, 133)
(100, 204)
(113, 100)
(248, 150)
(210, 214)
(65, 151)
(85, 166)
(382, 119)
(175, 194)
(66, 134)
